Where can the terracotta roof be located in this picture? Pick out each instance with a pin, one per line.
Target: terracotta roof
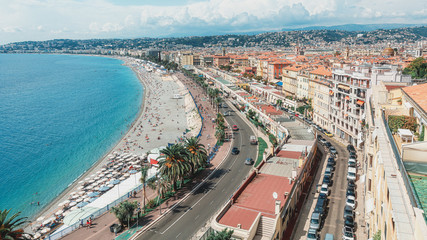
(322, 71)
(391, 87)
(289, 154)
(418, 94)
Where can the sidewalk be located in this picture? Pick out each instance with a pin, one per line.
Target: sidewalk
(100, 228)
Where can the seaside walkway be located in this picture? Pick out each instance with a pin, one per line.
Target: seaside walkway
(100, 228)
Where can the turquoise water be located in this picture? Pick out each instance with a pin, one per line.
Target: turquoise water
(58, 115)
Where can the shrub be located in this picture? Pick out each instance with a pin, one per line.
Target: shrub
(404, 122)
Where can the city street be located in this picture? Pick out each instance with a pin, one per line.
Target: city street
(193, 213)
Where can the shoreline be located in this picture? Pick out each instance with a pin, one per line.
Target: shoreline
(51, 208)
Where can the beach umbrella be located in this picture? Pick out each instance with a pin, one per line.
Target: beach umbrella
(85, 199)
(101, 175)
(103, 169)
(80, 182)
(97, 178)
(72, 204)
(122, 178)
(87, 179)
(92, 199)
(89, 187)
(93, 194)
(126, 175)
(45, 230)
(114, 172)
(73, 208)
(109, 175)
(99, 181)
(64, 203)
(91, 181)
(48, 221)
(114, 181)
(80, 187)
(59, 212)
(104, 188)
(73, 193)
(98, 172)
(82, 204)
(133, 171)
(79, 199)
(93, 175)
(40, 219)
(96, 188)
(120, 164)
(110, 185)
(82, 192)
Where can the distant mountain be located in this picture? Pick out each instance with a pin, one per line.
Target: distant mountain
(355, 27)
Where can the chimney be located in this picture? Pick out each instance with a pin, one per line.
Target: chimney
(239, 226)
(277, 207)
(286, 194)
(290, 181)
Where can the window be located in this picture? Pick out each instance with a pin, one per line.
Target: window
(369, 184)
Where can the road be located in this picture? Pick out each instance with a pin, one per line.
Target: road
(334, 221)
(193, 213)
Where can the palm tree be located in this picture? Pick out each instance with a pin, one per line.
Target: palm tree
(219, 118)
(124, 211)
(10, 228)
(217, 100)
(197, 153)
(143, 180)
(159, 184)
(219, 133)
(173, 163)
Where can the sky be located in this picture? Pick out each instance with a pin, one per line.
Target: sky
(35, 20)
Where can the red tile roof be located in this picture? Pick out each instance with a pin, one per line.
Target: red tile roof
(237, 215)
(391, 87)
(289, 154)
(418, 94)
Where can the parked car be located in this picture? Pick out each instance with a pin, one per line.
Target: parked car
(329, 134)
(353, 154)
(235, 128)
(332, 150)
(350, 192)
(324, 189)
(249, 161)
(351, 201)
(235, 151)
(328, 144)
(352, 162)
(348, 211)
(349, 222)
(322, 196)
(351, 148)
(323, 141)
(115, 228)
(331, 160)
(315, 221)
(347, 233)
(351, 184)
(327, 180)
(328, 171)
(331, 166)
(351, 174)
(312, 234)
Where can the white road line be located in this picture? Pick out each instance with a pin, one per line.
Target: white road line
(178, 235)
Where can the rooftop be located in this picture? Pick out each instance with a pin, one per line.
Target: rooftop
(418, 94)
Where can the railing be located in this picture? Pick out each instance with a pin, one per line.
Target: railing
(68, 230)
(412, 194)
(200, 132)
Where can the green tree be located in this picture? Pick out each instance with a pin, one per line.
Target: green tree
(417, 68)
(159, 184)
(218, 100)
(197, 153)
(11, 228)
(251, 114)
(143, 180)
(223, 235)
(173, 163)
(377, 235)
(124, 211)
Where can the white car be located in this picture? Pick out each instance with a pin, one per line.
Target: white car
(351, 174)
(324, 189)
(351, 201)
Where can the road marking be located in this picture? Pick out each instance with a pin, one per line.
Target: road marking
(196, 217)
(178, 235)
(211, 203)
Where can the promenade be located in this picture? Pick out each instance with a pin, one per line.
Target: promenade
(100, 228)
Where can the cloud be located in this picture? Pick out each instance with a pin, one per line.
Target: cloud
(47, 19)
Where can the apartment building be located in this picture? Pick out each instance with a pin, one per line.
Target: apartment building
(391, 208)
(319, 93)
(275, 70)
(186, 58)
(290, 81)
(221, 60)
(351, 87)
(302, 84)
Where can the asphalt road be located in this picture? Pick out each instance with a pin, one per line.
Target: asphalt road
(193, 213)
(334, 220)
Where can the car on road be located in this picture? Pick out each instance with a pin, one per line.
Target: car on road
(351, 174)
(321, 204)
(329, 134)
(327, 180)
(322, 196)
(350, 192)
(349, 222)
(347, 233)
(323, 141)
(249, 161)
(353, 154)
(348, 211)
(328, 144)
(312, 234)
(351, 148)
(227, 113)
(351, 184)
(224, 105)
(350, 201)
(315, 221)
(235, 128)
(324, 189)
(235, 151)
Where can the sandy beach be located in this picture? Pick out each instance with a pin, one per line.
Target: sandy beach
(167, 114)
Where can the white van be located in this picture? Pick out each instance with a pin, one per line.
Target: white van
(253, 140)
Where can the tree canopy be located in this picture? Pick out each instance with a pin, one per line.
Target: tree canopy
(417, 69)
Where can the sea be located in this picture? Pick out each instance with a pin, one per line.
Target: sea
(59, 114)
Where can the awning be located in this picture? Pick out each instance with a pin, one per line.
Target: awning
(360, 102)
(347, 98)
(331, 92)
(343, 87)
(408, 105)
(279, 83)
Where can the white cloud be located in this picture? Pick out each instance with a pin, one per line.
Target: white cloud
(47, 19)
